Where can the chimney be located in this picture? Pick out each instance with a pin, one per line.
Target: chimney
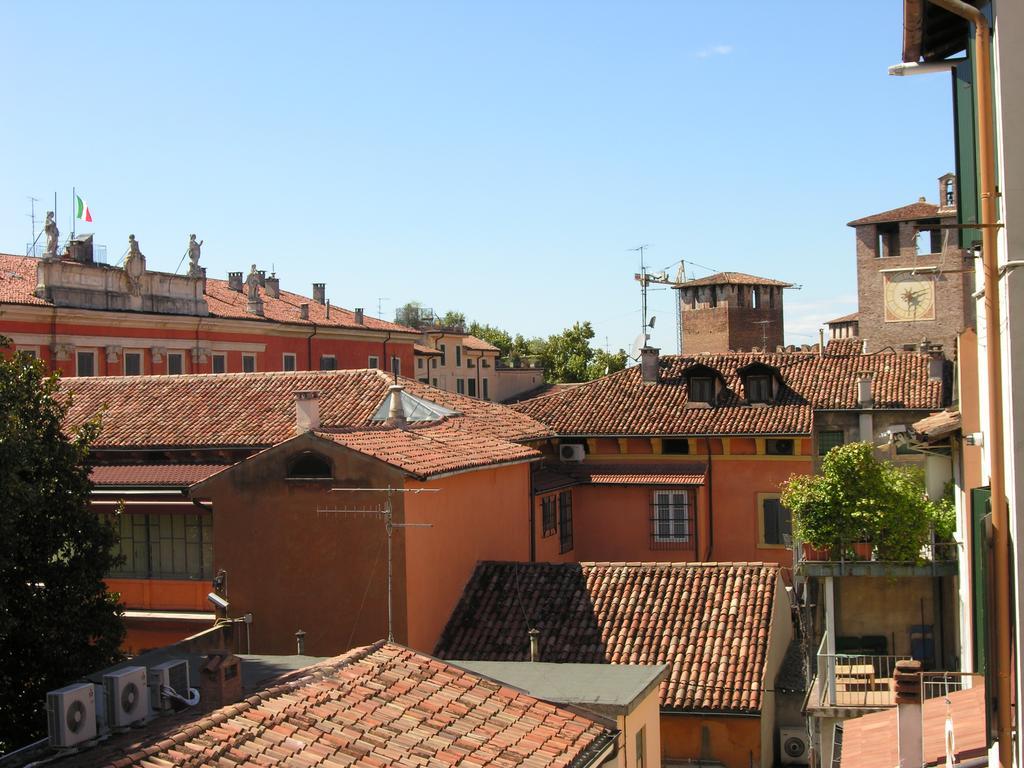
(534, 634)
(320, 292)
(396, 413)
(263, 277)
(909, 726)
(272, 287)
(235, 281)
(220, 679)
(936, 363)
(864, 398)
(821, 341)
(307, 411)
(649, 364)
(328, 309)
(359, 315)
(866, 420)
(304, 311)
(300, 643)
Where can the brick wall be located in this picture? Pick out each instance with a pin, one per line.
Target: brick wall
(953, 305)
(733, 324)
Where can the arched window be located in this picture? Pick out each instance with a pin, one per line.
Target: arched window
(309, 465)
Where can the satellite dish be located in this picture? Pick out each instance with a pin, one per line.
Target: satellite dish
(651, 324)
(638, 343)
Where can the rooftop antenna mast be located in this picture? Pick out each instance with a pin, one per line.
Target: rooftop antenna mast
(387, 513)
(32, 203)
(644, 280)
(380, 306)
(680, 279)
(764, 333)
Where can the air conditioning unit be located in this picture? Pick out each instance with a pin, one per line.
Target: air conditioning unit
(71, 715)
(571, 452)
(127, 695)
(173, 674)
(793, 746)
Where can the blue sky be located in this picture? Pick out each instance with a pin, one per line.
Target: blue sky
(496, 158)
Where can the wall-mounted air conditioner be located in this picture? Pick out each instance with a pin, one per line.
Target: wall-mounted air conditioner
(71, 715)
(170, 674)
(793, 746)
(127, 696)
(571, 452)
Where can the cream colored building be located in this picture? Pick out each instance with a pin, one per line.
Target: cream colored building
(458, 362)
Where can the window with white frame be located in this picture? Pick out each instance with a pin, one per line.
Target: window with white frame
(85, 364)
(175, 363)
(132, 363)
(373, 362)
(672, 519)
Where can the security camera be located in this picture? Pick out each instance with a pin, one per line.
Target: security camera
(896, 432)
(218, 602)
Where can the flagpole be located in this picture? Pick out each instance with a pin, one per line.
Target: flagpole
(74, 210)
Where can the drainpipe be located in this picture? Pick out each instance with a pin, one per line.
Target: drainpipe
(309, 349)
(533, 519)
(982, 67)
(711, 503)
(384, 356)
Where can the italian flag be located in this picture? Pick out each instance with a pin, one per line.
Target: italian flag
(82, 209)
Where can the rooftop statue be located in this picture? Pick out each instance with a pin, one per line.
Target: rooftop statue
(52, 235)
(194, 251)
(252, 284)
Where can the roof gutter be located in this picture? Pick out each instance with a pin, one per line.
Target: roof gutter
(982, 70)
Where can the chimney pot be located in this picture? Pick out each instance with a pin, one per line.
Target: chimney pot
(307, 410)
(235, 281)
(649, 364)
(320, 293)
(300, 643)
(272, 287)
(359, 315)
(304, 311)
(396, 413)
(534, 634)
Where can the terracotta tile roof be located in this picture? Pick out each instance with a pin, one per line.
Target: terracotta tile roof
(478, 345)
(937, 425)
(172, 475)
(541, 391)
(421, 349)
(623, 404)
(375, 706)
(432, 448)
(848, 346)
(850, 318)
(732, 278)
(919, 210)
(641, 474)
(872, 740)
(18, 281)
(258, 409)
(710, 622)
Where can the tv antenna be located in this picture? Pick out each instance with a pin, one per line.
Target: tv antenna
(645, 278)
(387, 513)
(764, 333)
(32, 203)
(380, 306)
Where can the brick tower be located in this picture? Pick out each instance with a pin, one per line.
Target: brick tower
(730, 312)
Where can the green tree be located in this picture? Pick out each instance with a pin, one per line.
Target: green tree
(858, 497)
(453, 319)
(409, 314)
(567, 355)
(57, 620)
(604, 363)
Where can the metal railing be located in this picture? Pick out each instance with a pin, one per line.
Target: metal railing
(931, 552)
(38, 249)
(856, 680)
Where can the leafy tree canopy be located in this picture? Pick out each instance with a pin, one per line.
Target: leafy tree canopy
(57, 620)
(858, 497)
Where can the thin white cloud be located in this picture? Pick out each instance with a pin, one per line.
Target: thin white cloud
(714, 50)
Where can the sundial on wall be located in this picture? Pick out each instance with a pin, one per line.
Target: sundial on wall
(909, 297)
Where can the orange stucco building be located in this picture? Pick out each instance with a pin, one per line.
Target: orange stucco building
(88, 319)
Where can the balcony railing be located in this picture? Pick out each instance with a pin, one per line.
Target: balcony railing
(855, 680)
(936, 558)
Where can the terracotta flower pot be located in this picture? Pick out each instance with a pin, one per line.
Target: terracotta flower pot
(862, 550)
(813, 553)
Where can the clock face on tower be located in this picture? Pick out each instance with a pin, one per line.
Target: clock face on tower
(908, 297)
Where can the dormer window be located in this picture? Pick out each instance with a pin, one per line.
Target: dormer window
(702, 389)
(760, 382)
(759, 388)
